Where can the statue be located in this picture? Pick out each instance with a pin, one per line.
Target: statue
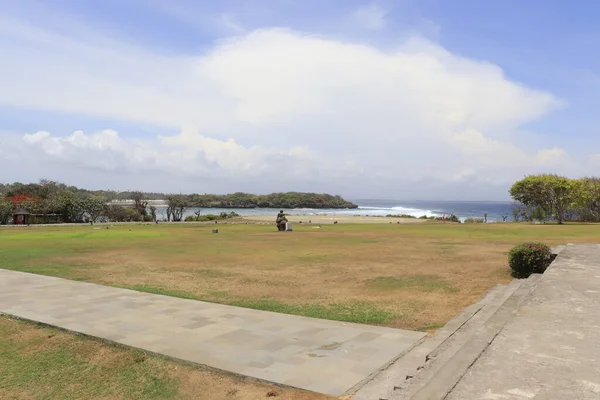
(281, 221)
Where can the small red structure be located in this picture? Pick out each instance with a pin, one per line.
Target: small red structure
(21, 216)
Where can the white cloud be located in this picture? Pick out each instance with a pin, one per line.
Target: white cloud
(370, 16)
(503, 162)
(185, 154)
(553, 157)
(298, 108)
(491, 152)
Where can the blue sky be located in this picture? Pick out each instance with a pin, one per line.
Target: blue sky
(425, 99)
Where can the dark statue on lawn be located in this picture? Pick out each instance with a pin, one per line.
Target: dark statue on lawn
(281, 221)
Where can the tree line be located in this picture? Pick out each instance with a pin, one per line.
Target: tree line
(44, 186)
(552, 197)
(54, 202)
(273, 200)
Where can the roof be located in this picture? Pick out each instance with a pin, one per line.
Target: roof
(21, 211)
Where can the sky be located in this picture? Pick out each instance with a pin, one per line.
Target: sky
(405, 99)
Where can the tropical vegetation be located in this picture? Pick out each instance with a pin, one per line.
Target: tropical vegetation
(552, 197)
(53, 202)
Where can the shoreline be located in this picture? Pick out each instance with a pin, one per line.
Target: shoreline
(258, 219)
(330, 219)
(162, 204)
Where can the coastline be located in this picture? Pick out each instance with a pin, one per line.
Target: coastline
(164, 204)
(315, 220)
(341, 219)
(495, 211)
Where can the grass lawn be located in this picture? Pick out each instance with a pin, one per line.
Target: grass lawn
(413, 276)
(45, 363)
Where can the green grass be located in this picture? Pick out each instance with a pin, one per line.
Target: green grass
(412, 276)
(368, 273)
(424, 283)
(164, 292)
(358, 312)
(49, 369)
(62, 270)
(43, 363)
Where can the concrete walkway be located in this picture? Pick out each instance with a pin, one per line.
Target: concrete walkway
(318, 355)
(551, 348)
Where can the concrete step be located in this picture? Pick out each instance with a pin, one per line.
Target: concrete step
(451, 360)
(447, 340)
(556, 250)
(463, 335)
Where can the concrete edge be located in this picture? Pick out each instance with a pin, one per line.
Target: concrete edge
(441, 384)
(557, 249)
(354, 389)
(180, 361)
(499, 322)
(452, 326)
(442, 354)
(428, 344)
(494, 302)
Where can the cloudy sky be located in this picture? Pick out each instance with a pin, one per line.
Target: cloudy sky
(407, 99)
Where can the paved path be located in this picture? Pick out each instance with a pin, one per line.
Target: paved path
(318, 355)
(551, 349)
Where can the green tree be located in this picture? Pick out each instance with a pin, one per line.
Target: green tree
(6, 209)
(537, 213)
(153, 213)
(553, 194)
(94, 207)
(587, 199)
(140, 203)
(68, 206)
(176, 203)
(118, 213)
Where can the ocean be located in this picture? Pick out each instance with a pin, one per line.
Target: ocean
(462, 209)
(374, 207)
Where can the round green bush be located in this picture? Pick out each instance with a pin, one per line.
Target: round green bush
(528, 258)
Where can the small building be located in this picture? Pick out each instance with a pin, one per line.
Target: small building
(21, 216)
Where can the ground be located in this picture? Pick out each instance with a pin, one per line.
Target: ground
(45, 363)
(412, 276)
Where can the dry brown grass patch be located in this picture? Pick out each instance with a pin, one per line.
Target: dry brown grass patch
(309, 267)
(330, 271)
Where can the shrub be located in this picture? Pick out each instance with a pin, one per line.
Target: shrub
(528, 258)
(211, 217)
(451, 218)
(472, 220)
(118, 213)
(232, 214)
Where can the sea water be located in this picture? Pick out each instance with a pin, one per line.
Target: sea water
(379, 208)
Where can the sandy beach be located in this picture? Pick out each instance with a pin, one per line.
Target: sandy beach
(346, 219)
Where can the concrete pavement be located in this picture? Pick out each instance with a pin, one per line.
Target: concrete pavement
(323, 356)
(550, 350)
